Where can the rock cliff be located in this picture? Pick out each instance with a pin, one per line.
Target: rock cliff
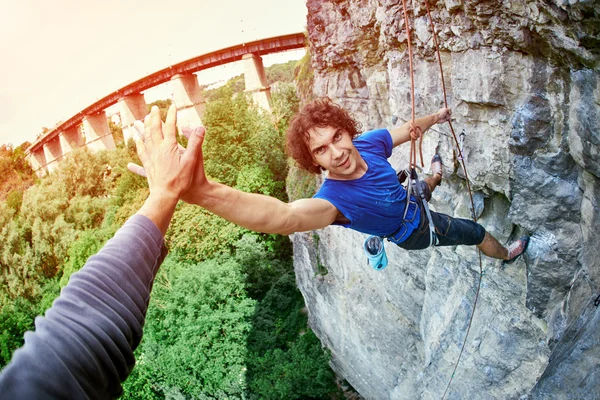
(522, 78)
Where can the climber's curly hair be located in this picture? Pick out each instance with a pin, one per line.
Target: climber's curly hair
(318, 113)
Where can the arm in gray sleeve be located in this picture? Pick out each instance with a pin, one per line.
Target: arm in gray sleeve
(83, 346)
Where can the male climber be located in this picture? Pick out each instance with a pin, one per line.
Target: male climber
(361, 190)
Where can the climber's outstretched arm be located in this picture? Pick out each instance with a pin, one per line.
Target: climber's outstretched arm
(252, 211)
(402, 134)
(261, 213)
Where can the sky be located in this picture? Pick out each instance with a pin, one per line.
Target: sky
(60, 56)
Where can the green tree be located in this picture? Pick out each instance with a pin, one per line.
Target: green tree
(163, 106)
(14, 199)
(285, 104)
(305, 79)
(281, 72)
(286, 358)
(117, 132)
(16, 174)
(15, 318)
(242, 140)
(87, 244)
(57, 221)
(225, 318)
(195, 332)
(198, 235)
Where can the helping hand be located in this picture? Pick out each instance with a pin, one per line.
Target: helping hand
(169, 168)
(194, 193)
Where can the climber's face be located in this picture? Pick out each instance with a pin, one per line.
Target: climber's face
(332, 149)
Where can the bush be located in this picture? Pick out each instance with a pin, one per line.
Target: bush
(239, 136)
(87, 244)
(15, 318)
(285, 104)
(198, 235)
(14, 199)
(85, 212)
(15, 172)
(195, 333)
(287, 361)
(305, 78)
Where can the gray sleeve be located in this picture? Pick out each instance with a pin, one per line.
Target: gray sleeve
(83, 346)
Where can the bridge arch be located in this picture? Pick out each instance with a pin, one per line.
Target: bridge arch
(89, 127)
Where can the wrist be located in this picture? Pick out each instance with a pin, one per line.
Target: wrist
(163, 197)
(159, 208)
(197, 194)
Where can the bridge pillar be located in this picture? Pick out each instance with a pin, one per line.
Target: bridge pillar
(37, 160)
(256, 81)
(188, 99)
(132, 107)
(53, 154)
(70, 140)
(97, 132)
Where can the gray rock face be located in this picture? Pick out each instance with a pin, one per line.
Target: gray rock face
(522, 80)
(532, 126)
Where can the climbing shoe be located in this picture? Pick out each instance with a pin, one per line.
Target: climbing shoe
(516, 249)
(375, 251)
(436, 166)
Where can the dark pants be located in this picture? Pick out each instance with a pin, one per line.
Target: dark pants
(450, 232)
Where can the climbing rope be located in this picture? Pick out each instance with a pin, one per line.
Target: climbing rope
(413, 151)
(460, 157)
(464, 166)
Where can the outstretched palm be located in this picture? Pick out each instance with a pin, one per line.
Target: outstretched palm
(199, 179)
(192, 188)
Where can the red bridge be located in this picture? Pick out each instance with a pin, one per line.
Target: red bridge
(90, 128)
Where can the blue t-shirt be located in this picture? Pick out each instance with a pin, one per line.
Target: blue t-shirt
(375, 202)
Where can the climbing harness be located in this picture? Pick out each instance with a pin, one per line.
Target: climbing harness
(418, 185)
(420, 191)
(413, 158)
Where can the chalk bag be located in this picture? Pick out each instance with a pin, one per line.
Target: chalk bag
(375, 252)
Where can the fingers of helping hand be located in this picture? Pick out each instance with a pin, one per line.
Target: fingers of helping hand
(186, 131)
(153, 126)
(140, 147)
(139, 130)
(136, 169)
(170, 126)
(193, 154)
(191, 157)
